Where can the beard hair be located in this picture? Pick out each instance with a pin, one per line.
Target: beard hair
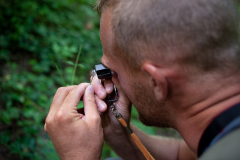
(151, 112)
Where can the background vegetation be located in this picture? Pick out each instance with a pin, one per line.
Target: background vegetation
(34, 36)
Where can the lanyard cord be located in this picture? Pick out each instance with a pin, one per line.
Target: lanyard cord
(139, 144)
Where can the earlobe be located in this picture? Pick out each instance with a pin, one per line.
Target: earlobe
(157, 81)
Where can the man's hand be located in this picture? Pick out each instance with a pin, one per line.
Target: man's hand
(112, 128)
(75, 136)
(115, 135)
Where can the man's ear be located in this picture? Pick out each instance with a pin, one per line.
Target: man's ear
(157, 80)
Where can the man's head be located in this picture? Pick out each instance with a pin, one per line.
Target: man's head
(197, 32)
(196, 37)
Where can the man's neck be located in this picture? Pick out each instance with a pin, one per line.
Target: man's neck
(196, 118)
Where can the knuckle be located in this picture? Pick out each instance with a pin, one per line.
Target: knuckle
(61, 89)
(48, 120)
(72, 92)
(64, 89)
(91, 100)
(83, 85)
(45, 128)
(60, 116)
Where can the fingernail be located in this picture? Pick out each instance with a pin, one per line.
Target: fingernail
(100, 93)
(90, 88)
(101, 106)
(108, 88)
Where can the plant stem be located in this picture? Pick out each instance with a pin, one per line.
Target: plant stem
(76, 62)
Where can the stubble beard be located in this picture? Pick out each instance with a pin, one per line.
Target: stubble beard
(151, 112)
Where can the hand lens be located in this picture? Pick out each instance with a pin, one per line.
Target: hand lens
(104, 73)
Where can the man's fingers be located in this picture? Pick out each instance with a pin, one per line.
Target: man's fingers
(73, 98)
(108, 84)
(98, 87)
(58, 99)
(90, 107)
(102, 106)
(60, 95)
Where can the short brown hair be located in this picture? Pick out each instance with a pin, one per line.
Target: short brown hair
(200, 33)
(101, 4)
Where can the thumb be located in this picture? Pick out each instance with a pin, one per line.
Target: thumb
(90, 107)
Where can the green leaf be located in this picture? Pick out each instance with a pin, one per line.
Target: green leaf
(69, 63)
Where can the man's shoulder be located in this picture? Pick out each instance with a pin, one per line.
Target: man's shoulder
(226, 148)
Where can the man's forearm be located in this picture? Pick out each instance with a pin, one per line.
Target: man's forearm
(124, 146)
(159, 147)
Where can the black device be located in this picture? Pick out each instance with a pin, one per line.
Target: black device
(105, 73)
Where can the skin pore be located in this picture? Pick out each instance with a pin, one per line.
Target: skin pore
(191, 115)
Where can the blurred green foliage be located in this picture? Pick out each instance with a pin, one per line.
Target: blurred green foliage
(30, 32)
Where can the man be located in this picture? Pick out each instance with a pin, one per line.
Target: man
(177, 62)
